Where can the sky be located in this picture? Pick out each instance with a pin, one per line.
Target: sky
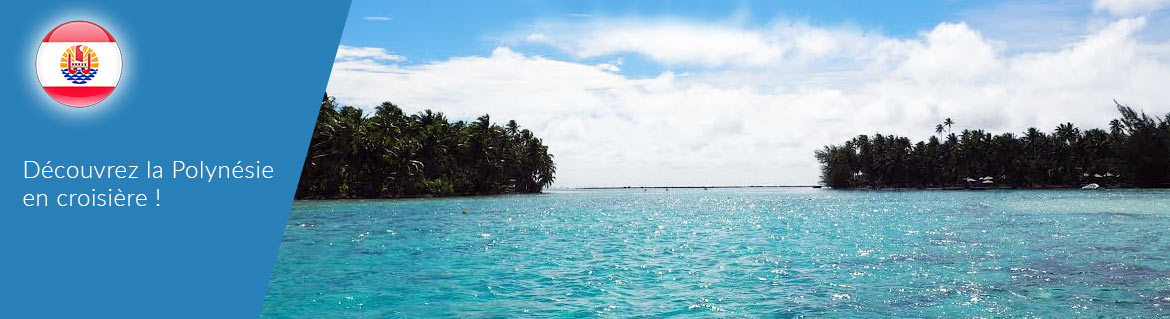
(696, 93)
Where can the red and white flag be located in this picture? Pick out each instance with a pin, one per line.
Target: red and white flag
(79, 63)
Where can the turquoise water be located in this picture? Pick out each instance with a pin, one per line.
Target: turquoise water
(729, 253)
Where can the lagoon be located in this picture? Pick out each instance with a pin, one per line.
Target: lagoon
(729, 253)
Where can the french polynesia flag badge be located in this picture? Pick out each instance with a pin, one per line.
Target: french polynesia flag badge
(79, 63)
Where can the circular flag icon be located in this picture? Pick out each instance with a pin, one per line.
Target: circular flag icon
(79, 63)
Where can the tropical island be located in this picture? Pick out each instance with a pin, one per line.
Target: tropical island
(390, 154)
(1134, 152)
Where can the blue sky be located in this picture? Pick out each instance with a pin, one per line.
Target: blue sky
(432, 30)
(435, 28)
(726, 93)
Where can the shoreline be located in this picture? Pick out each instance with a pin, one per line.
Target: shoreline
(962, 188)
(431, 196)
(419, 196)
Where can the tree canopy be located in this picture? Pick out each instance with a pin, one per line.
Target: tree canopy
(391, 154)
(1133, 152)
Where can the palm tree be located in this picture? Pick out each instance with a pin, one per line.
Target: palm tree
(390, 154)
(1115, 127)
(1134, 152)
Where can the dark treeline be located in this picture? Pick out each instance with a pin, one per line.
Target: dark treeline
(391, 154)
(1134, 152)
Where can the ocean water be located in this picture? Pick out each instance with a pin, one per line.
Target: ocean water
(730, 253)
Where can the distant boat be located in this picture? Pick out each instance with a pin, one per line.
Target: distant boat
(1091, 186)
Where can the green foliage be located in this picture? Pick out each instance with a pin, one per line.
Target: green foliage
(391, 154)
(1135, 152)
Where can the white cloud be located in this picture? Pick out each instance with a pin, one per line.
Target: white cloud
(1130, 7)
(950, 52)
(367, 53)
(378, 18)
(538, 38)
(734, 124)
(675, 42)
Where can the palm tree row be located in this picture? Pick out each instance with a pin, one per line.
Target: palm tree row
(392, 154)
(1133, 152)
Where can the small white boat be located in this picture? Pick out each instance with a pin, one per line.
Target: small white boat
(1091, 186)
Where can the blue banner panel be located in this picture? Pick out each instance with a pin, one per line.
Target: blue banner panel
(168, 197)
